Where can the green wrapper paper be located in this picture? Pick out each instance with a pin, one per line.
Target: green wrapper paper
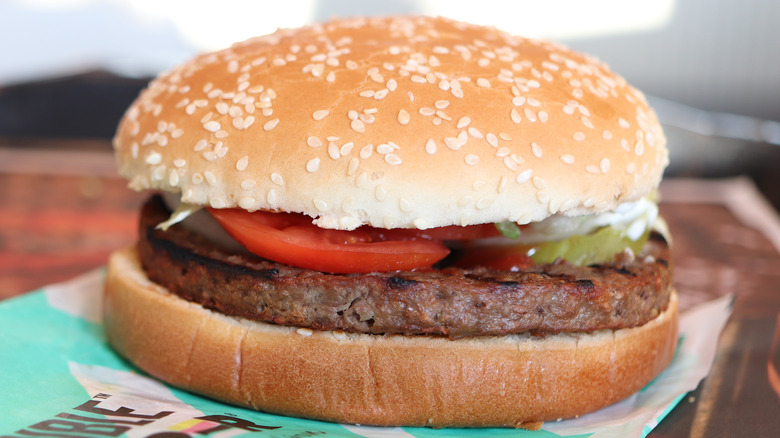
(59, 378)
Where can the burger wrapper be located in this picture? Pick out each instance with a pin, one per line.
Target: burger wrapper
(59, 378)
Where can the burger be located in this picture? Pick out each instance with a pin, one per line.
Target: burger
(396, 221)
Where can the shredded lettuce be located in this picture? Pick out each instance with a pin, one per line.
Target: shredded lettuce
(508, 229)
(183, 211)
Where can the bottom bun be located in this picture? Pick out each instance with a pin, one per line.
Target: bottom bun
(374, 379)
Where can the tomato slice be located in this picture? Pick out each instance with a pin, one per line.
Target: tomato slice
(292, 239)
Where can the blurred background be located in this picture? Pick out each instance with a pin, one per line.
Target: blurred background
(711, 69)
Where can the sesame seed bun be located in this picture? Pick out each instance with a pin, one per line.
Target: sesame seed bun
(374, 379)
(395, 122)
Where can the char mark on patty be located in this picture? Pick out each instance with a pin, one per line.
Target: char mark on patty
(451, 302)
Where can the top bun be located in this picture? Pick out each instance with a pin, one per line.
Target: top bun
(395, 122)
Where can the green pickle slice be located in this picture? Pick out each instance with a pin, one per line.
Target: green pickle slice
(597, 247)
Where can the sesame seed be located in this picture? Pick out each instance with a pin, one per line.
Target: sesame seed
(333, 151)
(221, 134)
(543, 116)
(553, 206)
(277, 179)
(271, 124)
(200, 145)
(210, 178)
(391, 85)
(518, 100)
(463, 122)
(366, 93)
(430, 146)
(504, 136)
(242, 163)
(247, 184)
(474, 132)
(351, 65)
(630, 168)
(314, 142)
(212, 126)
(153, 158)
(542, 197)
(501, 184)
(197, 178)
(352, 166)
(604, 165)
(471, 159)
(427, 111)
(442, 104)
(529, 114)
(320, 205)
(346, 148)
(384, 149)
(484, 203)
(404, 205)
(366, 151)
(606, 135)
(568, 109)
(503, 152)
(586, 121)
(305, 332)
(358, 126)
(403, 117)
(420, 223)
(492, 140)
(173, 178)
(624, 123)
(352, 115)
(393, 159)
(457, 92)
(381, 94)
(639, 149)
(515, 116)
(380, 193)
(320, 114)
(539, 183)
(567, 158)
(536, 149)
(312, 165)
(592, 169)
(482, 82)
(452, 143)
(512, 162)
(579, 136)
(443, 115)
(247, 202)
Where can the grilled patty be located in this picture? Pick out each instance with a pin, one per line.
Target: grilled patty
(448, 301)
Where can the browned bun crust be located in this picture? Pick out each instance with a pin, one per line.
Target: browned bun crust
(395, 122)
(372, 379)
